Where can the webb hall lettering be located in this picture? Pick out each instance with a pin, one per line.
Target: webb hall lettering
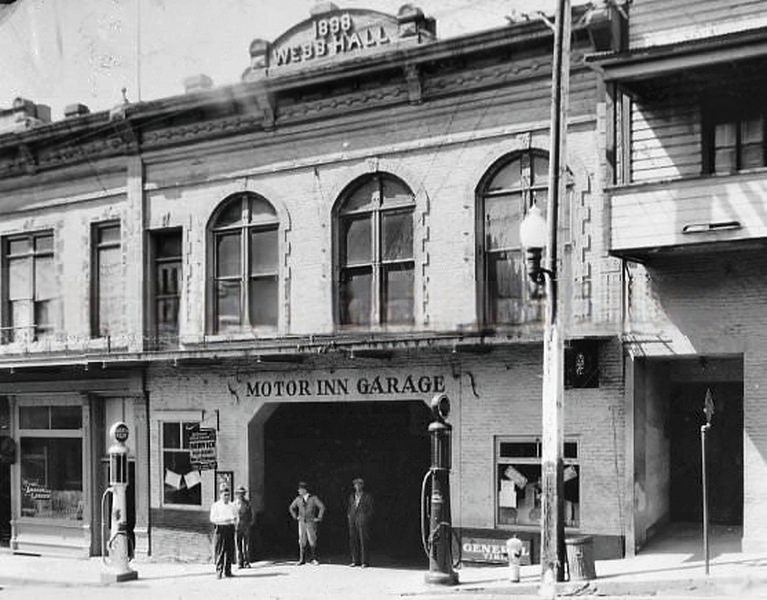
(345, 386)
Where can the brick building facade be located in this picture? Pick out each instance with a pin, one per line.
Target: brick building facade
(298, 262)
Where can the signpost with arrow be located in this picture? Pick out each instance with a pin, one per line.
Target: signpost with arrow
(708, 410)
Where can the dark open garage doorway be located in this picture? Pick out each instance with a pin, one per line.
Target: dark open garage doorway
(327, 445)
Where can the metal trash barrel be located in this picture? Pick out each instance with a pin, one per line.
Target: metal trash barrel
(580, 558)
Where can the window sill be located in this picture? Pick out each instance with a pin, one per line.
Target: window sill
(65, 344)
(186, 507)
(688, 179)
(534, 528)
(241, 336)
(44, 521)
(380, 329)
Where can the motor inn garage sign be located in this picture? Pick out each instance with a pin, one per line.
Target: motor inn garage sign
(374, 385)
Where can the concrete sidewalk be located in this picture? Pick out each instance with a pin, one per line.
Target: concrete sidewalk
(732, 575)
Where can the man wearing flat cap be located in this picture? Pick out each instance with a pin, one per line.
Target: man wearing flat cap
(359, 512)
(308, 510)
(224, 517)
(242, 530)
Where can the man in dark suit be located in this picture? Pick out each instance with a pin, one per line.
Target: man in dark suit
(308, 510)
(359, 512)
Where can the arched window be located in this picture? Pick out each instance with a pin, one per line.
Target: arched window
(245, 264)
(507, 191)
(375, 252)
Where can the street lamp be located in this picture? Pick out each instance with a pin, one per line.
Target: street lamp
(537, 233)
(532, 235)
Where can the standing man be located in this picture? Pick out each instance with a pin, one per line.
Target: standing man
(223, 515)
(242, 531)
(359, 512)
(308, 510)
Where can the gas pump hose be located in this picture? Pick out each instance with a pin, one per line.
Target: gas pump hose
(424, 504)
(104, 552)
(427, 541)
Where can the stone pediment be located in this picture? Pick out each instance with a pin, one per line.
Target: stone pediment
(332, 35)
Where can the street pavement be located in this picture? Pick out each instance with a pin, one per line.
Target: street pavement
(659, 575)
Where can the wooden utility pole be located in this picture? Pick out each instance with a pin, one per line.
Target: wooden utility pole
(552, 513)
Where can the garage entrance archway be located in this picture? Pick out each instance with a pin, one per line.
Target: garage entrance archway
(327, 445)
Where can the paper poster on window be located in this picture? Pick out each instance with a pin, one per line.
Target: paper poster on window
(192, 479)
(570, 473)
(172, 479)
(507, 497)
(515, 476)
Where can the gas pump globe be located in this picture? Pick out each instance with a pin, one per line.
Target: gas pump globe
(439, 542)
(116, 552)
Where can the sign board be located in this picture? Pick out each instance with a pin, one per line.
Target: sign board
(120, 432)
(36, 491)
(202, 447)
(334, 34)
(490, 550)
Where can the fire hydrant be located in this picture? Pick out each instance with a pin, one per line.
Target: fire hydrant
(514, 552)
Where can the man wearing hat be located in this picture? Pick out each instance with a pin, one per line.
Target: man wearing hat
(359, 512)
(224, 517)
(308, 510)
(242, 530)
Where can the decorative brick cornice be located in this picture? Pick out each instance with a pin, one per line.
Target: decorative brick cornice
(200, 130)
(368, 98)
(414, 84)
(27, 160)
(55, 156)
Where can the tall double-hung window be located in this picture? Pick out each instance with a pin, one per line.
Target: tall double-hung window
(375, 253)
(107, 289)
(505, 194)
(245, 264)
(31, 293)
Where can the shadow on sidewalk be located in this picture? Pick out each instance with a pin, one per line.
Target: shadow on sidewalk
(685, 569)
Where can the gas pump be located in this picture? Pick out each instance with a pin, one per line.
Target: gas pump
(438, 544)
(118, 546)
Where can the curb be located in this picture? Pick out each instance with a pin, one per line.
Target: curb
(726, 586)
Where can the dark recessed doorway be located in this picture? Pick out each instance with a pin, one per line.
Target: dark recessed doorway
(327, 445)
(724, 455)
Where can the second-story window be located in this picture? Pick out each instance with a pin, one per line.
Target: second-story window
(375, 253)
(508, 190)
(31, 301)
(735, 137)
(245, 264)
(167, 284)
(107, 285)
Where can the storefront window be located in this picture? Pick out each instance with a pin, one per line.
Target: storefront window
(51, 461)
(518, 482)
(181, 482)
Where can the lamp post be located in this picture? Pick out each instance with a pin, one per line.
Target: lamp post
(537, 234)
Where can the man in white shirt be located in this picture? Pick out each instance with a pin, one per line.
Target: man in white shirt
(223, 515)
